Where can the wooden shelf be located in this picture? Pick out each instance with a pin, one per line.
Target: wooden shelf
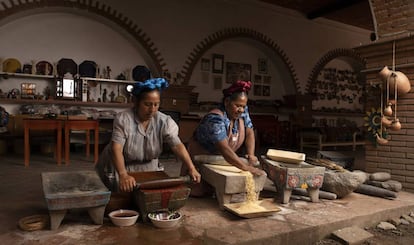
(65, 102)
(106, 80)
(338, 114)
(9, 74)
(5, 75)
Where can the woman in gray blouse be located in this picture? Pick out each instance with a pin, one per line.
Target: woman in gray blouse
(138, 137)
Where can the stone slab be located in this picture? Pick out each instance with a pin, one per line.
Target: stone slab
(352, 235)
(229, 182)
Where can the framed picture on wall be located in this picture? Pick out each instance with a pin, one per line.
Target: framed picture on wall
(257, 90)
(266, 90)
(262, 66)
(267, 79)
(205, 64)
(238, 71)
(257, 78)
(218, 63)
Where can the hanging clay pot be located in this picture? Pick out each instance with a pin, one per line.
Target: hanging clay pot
(396, 125)
(402, 81)
(388, 110)
(385, 73)
(386, 122)
(381, 141)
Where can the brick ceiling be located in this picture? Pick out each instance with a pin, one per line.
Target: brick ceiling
(352, 12)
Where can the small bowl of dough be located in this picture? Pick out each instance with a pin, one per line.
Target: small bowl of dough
(123, 217)
(167, 219)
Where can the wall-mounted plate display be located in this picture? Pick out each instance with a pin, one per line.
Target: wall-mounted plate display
(12, 65)
(44, 68)
(87, 69)
(66, 66)
(141, 73)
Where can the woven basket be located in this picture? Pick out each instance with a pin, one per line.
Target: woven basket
(34, 222)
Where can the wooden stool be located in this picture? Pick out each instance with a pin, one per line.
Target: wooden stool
(86, 125)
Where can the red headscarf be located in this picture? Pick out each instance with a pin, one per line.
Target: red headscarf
(237, 87)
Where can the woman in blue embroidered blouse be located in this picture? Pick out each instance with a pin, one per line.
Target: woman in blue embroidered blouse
(224, 130)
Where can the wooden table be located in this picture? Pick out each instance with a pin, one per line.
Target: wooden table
(86, 125)
(42, 124)
(59, 125)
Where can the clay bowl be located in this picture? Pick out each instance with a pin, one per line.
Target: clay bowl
(165, 219)
(123, 217)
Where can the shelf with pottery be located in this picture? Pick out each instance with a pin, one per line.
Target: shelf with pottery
(65, 102)
(338, 113)
(176, 97)
(25, 75)
(74, 102)
(107, 80)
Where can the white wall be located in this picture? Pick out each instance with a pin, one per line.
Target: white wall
(53, 36)
(176, 27)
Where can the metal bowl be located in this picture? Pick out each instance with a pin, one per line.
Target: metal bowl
(123, 217)
(167, 219)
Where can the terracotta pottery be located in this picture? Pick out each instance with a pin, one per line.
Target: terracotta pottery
(388, 110)
(402, 81)
(386, 122)
(396, 125)
(385, 73)
(381, 141)
(393, 77)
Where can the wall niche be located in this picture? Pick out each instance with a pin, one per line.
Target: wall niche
(337, 89)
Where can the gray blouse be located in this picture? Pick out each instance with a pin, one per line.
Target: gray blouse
(141, 148)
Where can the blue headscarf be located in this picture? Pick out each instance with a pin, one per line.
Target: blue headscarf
(150, 84)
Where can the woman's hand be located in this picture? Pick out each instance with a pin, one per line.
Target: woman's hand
(253, 161)
(195, 175)
(256, 171)
(126, 182)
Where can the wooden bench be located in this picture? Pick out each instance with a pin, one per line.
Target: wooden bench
(317, 138)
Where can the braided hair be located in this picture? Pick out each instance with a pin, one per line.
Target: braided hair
(148, 85)
(237, 89)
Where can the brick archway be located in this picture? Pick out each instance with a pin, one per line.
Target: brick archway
(229, 33)
(88, 8)
(348, 55)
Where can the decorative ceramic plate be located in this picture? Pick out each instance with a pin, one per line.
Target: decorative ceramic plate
(12, 65)
(44, 68)
(87, 69)
(66, 66)
(141, 73)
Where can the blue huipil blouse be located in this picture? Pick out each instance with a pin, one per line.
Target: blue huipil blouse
(214, 128)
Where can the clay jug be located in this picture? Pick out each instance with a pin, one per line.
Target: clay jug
(386, 122)
(396, 125)
(381, 141)
(402, 81)
(385, 73)
(388, 110)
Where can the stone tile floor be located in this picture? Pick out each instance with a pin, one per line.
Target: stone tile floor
(299, 222)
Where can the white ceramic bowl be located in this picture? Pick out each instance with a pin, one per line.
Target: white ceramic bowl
(123, 217)
(165, 219)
